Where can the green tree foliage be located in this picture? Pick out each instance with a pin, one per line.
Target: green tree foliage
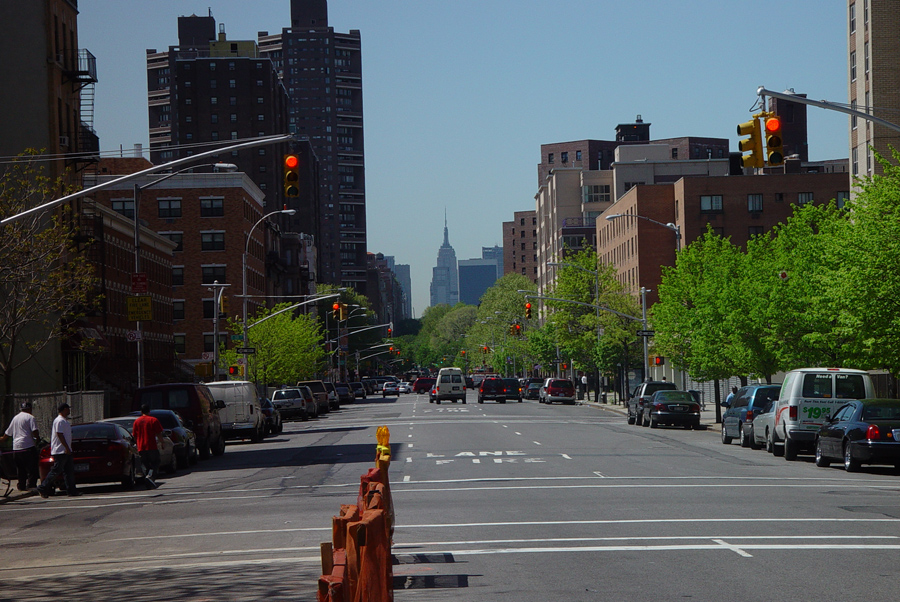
(45, 281)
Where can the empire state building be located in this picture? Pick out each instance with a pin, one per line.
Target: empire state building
(445, 275)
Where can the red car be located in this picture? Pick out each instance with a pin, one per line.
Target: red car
(104, 452)
(558, 389)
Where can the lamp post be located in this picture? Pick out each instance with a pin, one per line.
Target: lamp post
(244, 276)
(673, 227)
(138, 189)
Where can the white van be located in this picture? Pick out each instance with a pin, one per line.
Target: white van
(809, 396)
(242, 416)
(451, 385)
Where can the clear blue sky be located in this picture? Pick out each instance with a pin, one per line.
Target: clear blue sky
(459, 96)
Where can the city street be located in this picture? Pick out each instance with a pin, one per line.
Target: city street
(493, 502)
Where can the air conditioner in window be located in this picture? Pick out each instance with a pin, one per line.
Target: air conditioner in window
(64, 141)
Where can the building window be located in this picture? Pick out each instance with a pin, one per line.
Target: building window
(852, 18)
(209, 310)
(212, 84)
(214, 118)
(213, 100)
(804, 197)
(674, 153)
(855, 162)
(232, 100)
(711, 203)
(754, 231)
(754, 203)
(124, 207)
(596, 193)
(578, 155)
(718, 231)
(550, 158)
(179, 343)
(232, 84)
(211, 273)
(234, 135)
(209, 340)
(853, 66)
(522, 234)
(842, 198)
(169, 208)
(178, 309)
(212, 241)
(188, 119)
(866, 62)
(853, 117)
(260, 100)
(779, 197)
(176, 237)
(564, 157)
(212, 207)
(234, 118)
(178, 275)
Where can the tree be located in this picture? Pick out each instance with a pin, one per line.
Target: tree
(44, 281)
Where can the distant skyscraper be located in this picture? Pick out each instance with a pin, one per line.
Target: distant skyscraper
(401, 271)
(475, 277)
(495, 254)
(445, 275)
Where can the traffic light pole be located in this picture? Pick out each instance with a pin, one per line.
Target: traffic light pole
(824, 104)
(217, 290)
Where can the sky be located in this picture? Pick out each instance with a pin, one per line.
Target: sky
(458, 96)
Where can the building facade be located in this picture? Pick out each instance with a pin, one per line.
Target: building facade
(520, 245)
(322, 72)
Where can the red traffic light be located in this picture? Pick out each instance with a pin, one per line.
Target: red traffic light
(528, 306)
(773, 125)
(291, 161)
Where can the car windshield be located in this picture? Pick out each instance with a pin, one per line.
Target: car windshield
(94, 431)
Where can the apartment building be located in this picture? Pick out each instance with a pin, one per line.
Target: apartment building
(520, 245)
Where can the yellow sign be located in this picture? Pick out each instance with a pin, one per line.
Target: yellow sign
(139, 308)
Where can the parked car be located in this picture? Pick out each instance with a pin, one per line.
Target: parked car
(369, 385)
(423, 384)
(533, 391)
(493, 389)
(865, 431)
(641, 396)
(274, 426)
(292, 403)
(334, 401)
(345, 393)
(242, 417)
(432, 395)
(807, 396)
(558, 389)
(319, 392)
(763, 424)
(167, 458)
(737, 420)
(184, 439)
(514, 389)
(198, 409)
(404, 387)
(389, 387)
(358, 390)
(672, 407)
(103, 452)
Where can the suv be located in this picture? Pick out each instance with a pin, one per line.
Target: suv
(334, 402)
(641, 396)
(345, 393)
(423, 384)
(292, 402)
(514, 389)
(197, 408)
(558, 389)
(737, 421)
(492, 388)
(319, 392)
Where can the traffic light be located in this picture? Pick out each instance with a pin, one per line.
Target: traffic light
(462, 352)
(518, 330)
(528, 311)
(233, 370)
(223, 306)
(291, 176)
(512, 330)
(774, 143)
(390, 330)
(336, 311)
(753, 144)
(484, 350)
(565, 366)
(659, 361)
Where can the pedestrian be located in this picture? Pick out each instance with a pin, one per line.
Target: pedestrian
(24, 432)
(148, 436)
(729, 398)
(584, 383)
(61, 454)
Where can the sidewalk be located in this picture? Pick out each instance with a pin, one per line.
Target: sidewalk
(15, 494)
(707, 416)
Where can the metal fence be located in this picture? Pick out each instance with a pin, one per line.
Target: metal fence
(86, 406)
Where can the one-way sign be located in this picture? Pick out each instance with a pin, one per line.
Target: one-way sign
(245, 350)
(646, 333)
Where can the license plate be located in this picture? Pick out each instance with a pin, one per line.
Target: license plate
(82, 467)
(678, 408)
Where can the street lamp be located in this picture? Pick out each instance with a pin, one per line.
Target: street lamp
(244, 275)
(673, 227)
(138, 189)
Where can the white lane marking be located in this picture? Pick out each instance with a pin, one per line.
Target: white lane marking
(505, 426)
(733, 548)
(409, 444)
(410, 436)
(406, 479)
(536, 442)
(476, 461)
(417, 544)
(566, 456)
(648, 521)
(600, 474)
(409, 459)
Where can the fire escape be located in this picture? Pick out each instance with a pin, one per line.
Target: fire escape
(80, 68)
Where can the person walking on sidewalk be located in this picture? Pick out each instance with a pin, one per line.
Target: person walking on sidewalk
(24, 432)
(61, 453)
(148, 436)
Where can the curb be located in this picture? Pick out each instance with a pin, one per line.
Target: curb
(16, 495)
(708, 424)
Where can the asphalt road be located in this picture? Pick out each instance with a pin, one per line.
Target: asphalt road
(522, 502)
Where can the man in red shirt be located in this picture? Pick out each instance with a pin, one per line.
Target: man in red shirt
(148, 436)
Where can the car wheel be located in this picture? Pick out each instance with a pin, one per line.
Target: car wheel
(520, 400)
(653, 423)
(219, 448)
(480, 400)
(744, 440)
(193, 457)
(770, 447)
(790, 450)
(173, 467)
(851, 464)
(726, 440)
(821, 460)
(629, 419)
(128, 481)
(280, 428)
(753, 443)
(502, 400)
(256, 436)
(203, 447)
(644, 421)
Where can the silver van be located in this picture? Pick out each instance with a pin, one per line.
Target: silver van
(809, 396)
(450, 385)
(242, 416)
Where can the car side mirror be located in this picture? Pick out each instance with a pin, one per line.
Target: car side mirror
(220, 405)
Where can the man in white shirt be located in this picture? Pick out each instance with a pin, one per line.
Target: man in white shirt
(24, 432)
(61, 452)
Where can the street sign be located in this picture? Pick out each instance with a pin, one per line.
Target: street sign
(237, 337)
(240, 361)
(646, 333)
(206, 356)
(245, 350)
(139, 308)
(134, 336)
(139, 283)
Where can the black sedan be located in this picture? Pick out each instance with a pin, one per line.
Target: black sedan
(861, 432)
(671, 407)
